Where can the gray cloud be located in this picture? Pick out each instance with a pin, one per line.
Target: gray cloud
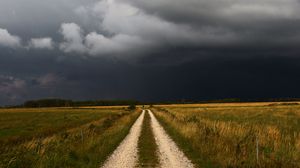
(13, 41)
(127, 29)
(140, 27)
(35, 18)
(41, 43)
(216, 12)
(97, 44)
(73, 37)
(122, 18)
(49, 80)
(11, 88)
(8, 40)
(163, 24)
(258, 22)
(118, 48)
(17, 89)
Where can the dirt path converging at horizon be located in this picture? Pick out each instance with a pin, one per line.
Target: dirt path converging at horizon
(170, 156)
(126, 154)
(167, 154)
(147, 147)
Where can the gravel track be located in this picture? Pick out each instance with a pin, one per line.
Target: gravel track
(170, 156)
(126, 154)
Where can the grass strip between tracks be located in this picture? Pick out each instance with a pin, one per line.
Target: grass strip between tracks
(147, 147)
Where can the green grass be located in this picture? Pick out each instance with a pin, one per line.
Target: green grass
(61, 137)
(224, 136)
(147, 147)
(31, 122)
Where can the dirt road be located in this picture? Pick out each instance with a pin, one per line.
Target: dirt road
(170, 156)
(126, 153)
(168, 153)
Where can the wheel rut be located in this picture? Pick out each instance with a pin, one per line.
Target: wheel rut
(147, 145)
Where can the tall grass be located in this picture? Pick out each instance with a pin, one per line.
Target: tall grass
(261, 136)
(83, 144)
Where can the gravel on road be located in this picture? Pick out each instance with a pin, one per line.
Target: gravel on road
(126, 154)
(170, 156)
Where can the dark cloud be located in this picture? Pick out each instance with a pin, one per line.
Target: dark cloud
(266, 22)
(11, 88)
(149, 50)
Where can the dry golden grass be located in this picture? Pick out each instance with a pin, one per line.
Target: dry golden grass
(254, 104)
(227, 135)
(100, 107)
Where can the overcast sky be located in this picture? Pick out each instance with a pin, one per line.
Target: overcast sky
(149, 50)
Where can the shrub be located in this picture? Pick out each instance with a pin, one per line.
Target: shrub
(132, 107)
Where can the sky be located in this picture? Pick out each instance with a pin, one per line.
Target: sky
(158, 50)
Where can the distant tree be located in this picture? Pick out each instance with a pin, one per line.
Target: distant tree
(132, 107)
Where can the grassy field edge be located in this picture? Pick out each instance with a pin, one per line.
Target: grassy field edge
(87, 146)
(183, 143)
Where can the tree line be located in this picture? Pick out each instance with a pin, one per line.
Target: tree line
(71, 103)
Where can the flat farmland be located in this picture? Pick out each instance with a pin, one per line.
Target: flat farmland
(166, 136)
(235, 134)
(61, 137)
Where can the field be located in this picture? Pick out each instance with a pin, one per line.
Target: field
(184, 135)
(61, 137)
(234, 134)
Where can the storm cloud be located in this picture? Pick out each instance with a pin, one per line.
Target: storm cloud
(131, 27)
(149, 50)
